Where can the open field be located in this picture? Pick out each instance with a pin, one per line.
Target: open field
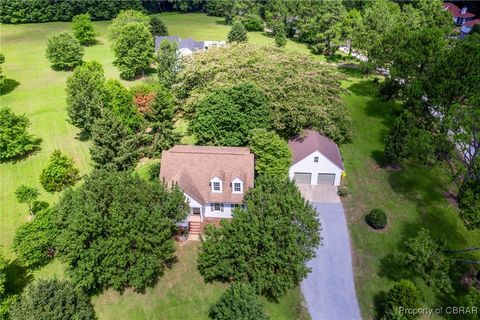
(413, 197)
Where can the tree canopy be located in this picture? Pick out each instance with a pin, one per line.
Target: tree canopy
(59, 173)
(301, 92)
(157, 26)
(168, 62)
(34, 241)
(14, 139)
(124, 18)
(64, 51)
(226, 116)
(85, 95)
(272, 154)
(52, 299)
(238, 33)
(239, 301)
(116, 230)
(252, 247)
(133, 49)
(28, 195)
(83, 29)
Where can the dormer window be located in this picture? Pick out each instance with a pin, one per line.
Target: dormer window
(216, 185)
(237, 186)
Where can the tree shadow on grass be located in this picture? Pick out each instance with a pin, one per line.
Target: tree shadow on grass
(8, 86)
(17, 277)
(351, 70)
(23, 156)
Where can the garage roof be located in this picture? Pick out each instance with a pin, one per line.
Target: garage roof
(309, 141)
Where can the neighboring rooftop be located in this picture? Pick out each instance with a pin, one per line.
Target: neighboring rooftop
(309, 141)
(189, 43)
(456, 12)
(193, 167)
(471, 23)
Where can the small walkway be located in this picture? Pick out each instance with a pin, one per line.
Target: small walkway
(329, 290)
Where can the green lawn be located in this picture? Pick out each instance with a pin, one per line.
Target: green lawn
(39, 92)
(413, 197)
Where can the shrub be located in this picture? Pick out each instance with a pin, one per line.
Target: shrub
(154, 171)
(377, 219)
(52, 299)
(64, 51)
(280, 34)
(237, 33)
(239, 301)
(28, 195)
(157, 26)
(2, 76)
(342, 191)
(59, 173)
(402, 294)
(252, 22)
(39, 206)
(83, 29)
(14, 139)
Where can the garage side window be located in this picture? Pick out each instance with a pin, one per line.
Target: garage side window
(315, 159)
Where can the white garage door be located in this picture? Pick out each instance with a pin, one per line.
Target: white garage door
(326, 179)
(302, 178)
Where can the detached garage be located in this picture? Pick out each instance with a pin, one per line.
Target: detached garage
(316, 160)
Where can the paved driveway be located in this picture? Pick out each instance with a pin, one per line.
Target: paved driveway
(329, 289)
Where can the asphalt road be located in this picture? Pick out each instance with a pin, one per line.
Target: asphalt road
(329, 290)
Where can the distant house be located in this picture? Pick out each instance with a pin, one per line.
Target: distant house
(468, 26)
(460, 16)
(188, 46)
(316, 160)
(213, 179)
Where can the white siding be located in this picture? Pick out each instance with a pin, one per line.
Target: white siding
(324, 165)
(227, 211)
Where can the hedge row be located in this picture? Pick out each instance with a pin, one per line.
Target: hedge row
(25, 11)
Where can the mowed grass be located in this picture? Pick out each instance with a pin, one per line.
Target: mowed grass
(413, 197)
(39, 92)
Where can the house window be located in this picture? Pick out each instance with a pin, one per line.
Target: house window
(216, 186)
(315, 159)
(237, 187)
(216, 206)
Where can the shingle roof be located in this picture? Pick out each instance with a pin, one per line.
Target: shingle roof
(193, 167)
(471, 23)
(456, 12)
(189, 43)
(305, 144)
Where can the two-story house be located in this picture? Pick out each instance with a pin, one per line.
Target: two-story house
(213, 179)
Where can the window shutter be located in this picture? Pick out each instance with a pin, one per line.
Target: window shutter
(211, 206)
(221, 207)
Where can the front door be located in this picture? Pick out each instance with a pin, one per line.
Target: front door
(196, 211)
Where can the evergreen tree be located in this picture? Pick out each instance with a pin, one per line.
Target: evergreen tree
(237, 33)
(157, 26)
(280, 35)
(113, 146)
(402, 294)
(168, 62)
(59, 173)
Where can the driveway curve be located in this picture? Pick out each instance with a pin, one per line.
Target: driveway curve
(329, 290)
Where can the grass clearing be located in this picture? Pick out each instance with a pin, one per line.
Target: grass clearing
(413, 197)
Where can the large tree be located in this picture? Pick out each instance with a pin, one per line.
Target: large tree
(157, 26)
(59, 173)
(34, 241)
(267, 244)
(237, 34)
(113, 146)
(126, 17)
(85, 95)
(119, 100)
(52, 299)
(64, 51)
(14, 139)
(116, 230)
(301, 92)
(226, 116)
(272, 154)
(133, 48)
(168, 62)
(83, 29)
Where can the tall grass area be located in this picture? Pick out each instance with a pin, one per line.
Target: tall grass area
(413, 197)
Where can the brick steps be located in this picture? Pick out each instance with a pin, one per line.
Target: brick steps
(195, 228)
